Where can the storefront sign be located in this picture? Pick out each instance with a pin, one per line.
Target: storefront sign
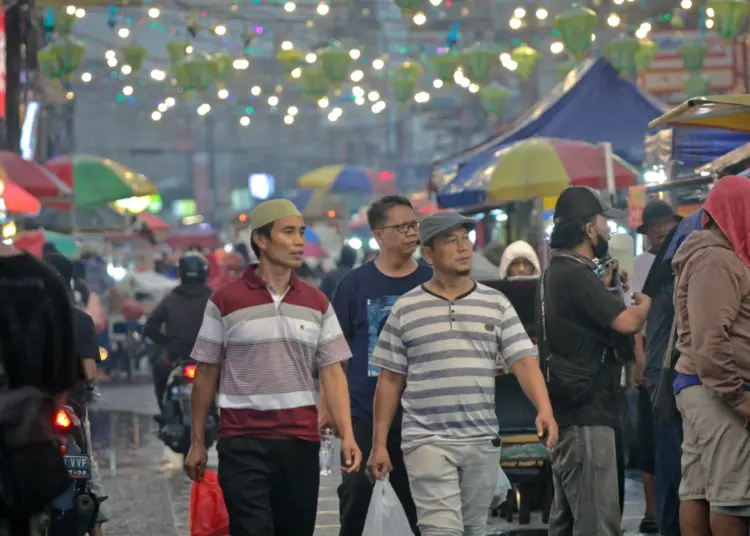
(636, 204)
(2, 64)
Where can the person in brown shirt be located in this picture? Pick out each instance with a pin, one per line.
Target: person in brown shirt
(712, 384)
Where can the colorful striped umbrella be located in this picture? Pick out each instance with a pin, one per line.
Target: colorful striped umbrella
(33, 242)
(539, 167)
(316, 204)
(96, 181)
(726, 112)
(345, 180)
(35, 179)
(16, 200)
(313, 247)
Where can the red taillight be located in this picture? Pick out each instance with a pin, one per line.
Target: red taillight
(63, 420)
(189, 372)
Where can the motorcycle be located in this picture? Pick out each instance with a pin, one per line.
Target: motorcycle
(75, 511)
(175, 423)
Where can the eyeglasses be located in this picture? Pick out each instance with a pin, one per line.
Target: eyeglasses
(404, 228)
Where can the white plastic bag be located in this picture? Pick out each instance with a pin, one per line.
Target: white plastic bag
(386, 516)
(502, 488)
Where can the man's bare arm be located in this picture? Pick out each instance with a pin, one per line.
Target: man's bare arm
(336, 398)
(532, 382)
(202, 399)
(387, 396)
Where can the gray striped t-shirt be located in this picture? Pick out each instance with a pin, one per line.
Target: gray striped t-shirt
(449, 352)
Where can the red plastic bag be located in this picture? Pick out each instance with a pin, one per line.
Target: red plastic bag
(208, 513)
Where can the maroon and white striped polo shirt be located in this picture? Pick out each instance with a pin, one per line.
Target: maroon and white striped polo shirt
(268, 347)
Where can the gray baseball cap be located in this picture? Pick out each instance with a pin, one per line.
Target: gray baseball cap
(442, 222)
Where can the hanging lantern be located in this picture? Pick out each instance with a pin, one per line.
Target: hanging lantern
(494, 97)
(525, 59)
(49, 64)
(445, 64)
(730, 17)
(290, 59)
(134, 55)
(64, 22)
(69, 52)
(646, 54)
(335, 61)
(620, 52)
(564, 67)
(576, 26)
(196, 73)
(404, 81)
(697, 85)
(408, 7)
(477, 62)
(177, 51)
(676, 20)
(314, 83)
(223, 63)
(693, 54)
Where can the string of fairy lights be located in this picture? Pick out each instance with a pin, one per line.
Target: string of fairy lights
(367, 81)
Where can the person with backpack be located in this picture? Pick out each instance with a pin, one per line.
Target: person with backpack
(38, 366)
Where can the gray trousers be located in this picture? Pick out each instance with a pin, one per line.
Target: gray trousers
(584, 472)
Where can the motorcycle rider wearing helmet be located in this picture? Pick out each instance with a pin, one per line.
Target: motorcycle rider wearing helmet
(175, 322)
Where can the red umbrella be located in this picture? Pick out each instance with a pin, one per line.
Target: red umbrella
(154, 223)
(35, 179)
(16, 199)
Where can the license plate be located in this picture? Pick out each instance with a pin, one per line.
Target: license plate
(78, 467)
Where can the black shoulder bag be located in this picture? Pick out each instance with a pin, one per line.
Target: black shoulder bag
(569, 382)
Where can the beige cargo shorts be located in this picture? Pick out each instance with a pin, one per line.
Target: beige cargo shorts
(715, 450)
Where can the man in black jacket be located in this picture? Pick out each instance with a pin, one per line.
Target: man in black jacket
(175, 322)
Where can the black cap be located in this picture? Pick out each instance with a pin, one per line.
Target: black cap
(654, 211)
(582, 202)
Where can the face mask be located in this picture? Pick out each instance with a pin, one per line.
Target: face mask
(601, 247)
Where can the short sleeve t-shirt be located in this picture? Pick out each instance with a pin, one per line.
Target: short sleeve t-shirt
(363, 301)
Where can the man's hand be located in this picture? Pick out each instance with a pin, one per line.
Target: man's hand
(325, 419)
(624, 281)
(640, 299)
(351, 453)
(379, 463)
(608, 275)
(196, 460)
(546, 426)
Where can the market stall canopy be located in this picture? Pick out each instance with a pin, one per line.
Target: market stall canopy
(155, 223)
(726, 112)
(317, 203)
(96, 220)
(16, 200)
(201, 235)
(347, 180)
(96, 181)
(33, 242)
(733, 158)
(593, 104)
(536, 167)
(35, 179)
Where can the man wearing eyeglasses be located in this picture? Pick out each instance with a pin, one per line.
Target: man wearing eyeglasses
(362, 302)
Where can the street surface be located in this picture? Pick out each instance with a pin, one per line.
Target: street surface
(149, 493)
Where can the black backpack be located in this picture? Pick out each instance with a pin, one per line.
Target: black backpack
(32, 469)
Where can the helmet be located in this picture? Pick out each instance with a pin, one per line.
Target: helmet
(193, 268)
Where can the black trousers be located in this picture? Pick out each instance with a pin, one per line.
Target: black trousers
(270, 486)
(160, 374)
(355, 490)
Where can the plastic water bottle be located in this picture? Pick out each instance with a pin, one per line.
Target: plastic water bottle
(327, 451)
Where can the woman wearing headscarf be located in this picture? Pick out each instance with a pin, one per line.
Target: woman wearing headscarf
(712, 303)
(519, 260)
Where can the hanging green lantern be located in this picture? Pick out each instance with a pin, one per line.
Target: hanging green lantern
(408, 7)
(445, 64)
(335, 61)
(290, 59)
(646, 54)
(477, 62)
(314, 83)
(676, 20)
(177, 51)
(620, 52)
(64, 22)
(404, 81)
(564, 67)
(49, 64)
(494, 96)
(730, 17)
(197, 73)
(697, 85)
(134, 56)
(693, 54)
(223, 63)
(576, 26)
(69, 52)
(179, 76)
(525, 59)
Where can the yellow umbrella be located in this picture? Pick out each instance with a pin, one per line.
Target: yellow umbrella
(316, 204)
(340, 179)
(727, 112)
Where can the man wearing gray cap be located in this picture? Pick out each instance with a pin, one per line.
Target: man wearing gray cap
(438, 352)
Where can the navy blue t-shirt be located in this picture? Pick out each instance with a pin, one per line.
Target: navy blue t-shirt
(363, 301)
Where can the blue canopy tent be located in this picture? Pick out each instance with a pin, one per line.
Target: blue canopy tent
(593, 104)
